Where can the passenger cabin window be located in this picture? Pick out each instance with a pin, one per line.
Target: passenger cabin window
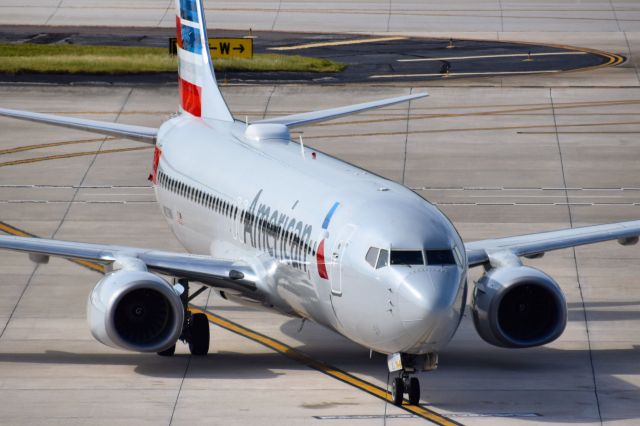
(407, 257)
(440, 257)
(372, 256)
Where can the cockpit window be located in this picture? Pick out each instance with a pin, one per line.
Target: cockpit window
(372, 256)
(440, 257)
(407, 257)
(383, 259)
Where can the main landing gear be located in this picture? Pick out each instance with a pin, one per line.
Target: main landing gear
(406, 382)
(195, 331)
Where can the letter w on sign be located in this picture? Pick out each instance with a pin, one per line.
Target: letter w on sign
(231, 48)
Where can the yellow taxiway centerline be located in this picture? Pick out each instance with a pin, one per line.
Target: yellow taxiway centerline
(51, 145)
(338, 43)
(70, 155)
(329, 370)
(279, 347)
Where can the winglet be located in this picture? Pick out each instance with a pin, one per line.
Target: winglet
(199, 93)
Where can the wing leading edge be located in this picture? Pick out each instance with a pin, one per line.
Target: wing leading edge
(205, 269)
(536, 244)
(136, 133)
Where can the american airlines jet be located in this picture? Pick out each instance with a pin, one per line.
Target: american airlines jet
(273, 223)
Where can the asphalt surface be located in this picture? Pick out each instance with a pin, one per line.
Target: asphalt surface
(370, 59)
(498, 160)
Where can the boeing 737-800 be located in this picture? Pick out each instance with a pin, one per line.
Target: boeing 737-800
(305, 234)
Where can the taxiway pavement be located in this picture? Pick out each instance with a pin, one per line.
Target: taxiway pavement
(497, 160)
(499, 155)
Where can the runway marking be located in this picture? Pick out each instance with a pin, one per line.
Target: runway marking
(50, 145)
(279, 347)
(512, 55)
(327, 369)
(71, 155)
(338, 43)
(454, 74)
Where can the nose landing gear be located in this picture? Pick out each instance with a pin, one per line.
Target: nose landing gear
(406, 383)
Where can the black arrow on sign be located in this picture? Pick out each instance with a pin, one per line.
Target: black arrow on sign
(241, 48)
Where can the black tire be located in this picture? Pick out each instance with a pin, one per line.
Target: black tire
(397, 391)
(199, 335)
(170, 351)
(414, 391)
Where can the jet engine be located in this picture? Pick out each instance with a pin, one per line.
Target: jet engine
(518, 307)
(135, 310)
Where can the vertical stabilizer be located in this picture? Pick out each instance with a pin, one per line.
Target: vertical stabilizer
(199, 93)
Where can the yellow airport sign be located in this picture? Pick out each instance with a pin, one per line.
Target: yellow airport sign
(231, 48)
(223, 47)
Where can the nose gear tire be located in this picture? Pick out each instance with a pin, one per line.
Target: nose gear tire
(397, 391)
(414, 391)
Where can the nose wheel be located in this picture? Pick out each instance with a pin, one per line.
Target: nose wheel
(405, 385)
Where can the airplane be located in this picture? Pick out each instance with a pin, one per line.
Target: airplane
(269, 222)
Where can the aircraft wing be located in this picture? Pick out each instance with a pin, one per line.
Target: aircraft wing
(333, 113)
(218, 273)
(537, 244)
(136, 133)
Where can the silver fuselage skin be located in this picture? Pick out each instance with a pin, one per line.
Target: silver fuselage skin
(283, 204)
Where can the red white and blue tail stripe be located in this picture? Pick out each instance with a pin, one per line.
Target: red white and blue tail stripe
(199, 93)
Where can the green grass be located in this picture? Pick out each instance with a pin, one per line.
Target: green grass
(276, 62)
(69, 58)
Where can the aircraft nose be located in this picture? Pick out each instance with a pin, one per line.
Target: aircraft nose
(426, 300)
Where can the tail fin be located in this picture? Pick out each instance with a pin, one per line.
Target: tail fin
(199, 93)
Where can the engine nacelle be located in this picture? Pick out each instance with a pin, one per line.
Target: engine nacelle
(135, 310)
(518, 307)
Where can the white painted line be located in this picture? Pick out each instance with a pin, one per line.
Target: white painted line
(513, 55)
(338, 43)
(452, 74)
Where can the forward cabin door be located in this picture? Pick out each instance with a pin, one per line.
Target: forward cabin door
(335, 276)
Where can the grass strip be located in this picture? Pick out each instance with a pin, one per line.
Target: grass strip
(70, 58)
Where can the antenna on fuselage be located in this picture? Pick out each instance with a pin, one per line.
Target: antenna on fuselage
(301, 147)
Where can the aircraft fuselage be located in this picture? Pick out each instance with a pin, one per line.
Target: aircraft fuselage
(309, 223)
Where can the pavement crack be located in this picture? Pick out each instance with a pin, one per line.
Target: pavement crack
(266, 106)
(54, 12)
(86, 173)
(575, 262)
(630, 58)
(275, 18)
(169, 7)
(15, 307)
(389, 15)
(184, 376)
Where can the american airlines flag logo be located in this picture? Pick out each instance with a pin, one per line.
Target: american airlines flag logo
(320, 257)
